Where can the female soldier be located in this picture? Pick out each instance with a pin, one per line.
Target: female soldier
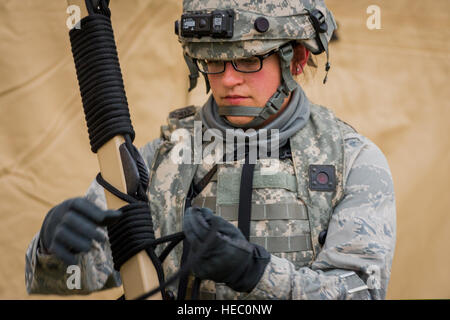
(321, 225)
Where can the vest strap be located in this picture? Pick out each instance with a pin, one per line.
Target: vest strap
(228, 185)
(274, 211)
(284, 243)
(245, 199)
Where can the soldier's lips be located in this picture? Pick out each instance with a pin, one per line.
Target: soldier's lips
(235, 99)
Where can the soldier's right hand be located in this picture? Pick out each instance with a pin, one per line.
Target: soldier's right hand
(70, 228)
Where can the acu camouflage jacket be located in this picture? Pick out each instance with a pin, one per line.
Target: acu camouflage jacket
(288, 216)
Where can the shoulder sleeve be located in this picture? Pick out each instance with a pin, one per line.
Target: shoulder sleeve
(362, 231)
(180, 118)
(355, 261)
(149, 150)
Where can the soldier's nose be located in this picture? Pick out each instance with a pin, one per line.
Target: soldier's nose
(231, 77)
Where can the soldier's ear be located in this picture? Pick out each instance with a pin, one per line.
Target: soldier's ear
(301, 56)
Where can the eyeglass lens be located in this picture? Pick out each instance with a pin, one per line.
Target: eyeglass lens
(252, 64)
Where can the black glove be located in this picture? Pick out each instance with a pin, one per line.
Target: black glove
(226, 256)
(70, 227)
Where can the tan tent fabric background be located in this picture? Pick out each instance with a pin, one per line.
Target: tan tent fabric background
(390, 84)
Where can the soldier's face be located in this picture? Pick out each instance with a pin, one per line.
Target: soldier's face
(247, 89)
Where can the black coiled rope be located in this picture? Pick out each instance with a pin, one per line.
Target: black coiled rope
(100, 80)
(107, 115)
(134, 232)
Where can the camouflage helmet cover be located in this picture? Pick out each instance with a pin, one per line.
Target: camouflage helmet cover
(288, 20)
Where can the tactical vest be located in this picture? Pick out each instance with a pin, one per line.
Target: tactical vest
(290, 206)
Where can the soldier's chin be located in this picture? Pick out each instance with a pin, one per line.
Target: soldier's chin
(236, 120)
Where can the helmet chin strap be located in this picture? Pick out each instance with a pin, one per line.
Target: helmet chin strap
(273, 105)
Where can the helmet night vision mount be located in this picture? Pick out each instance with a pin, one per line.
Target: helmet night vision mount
(216, 24)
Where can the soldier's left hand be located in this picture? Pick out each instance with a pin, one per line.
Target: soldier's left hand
(227, 257)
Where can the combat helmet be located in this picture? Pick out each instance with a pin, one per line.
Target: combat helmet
(230, 29)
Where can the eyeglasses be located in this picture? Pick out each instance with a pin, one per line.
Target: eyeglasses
(245, 65)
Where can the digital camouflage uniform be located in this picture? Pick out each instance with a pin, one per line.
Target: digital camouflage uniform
(288, 216)
(353, 263)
